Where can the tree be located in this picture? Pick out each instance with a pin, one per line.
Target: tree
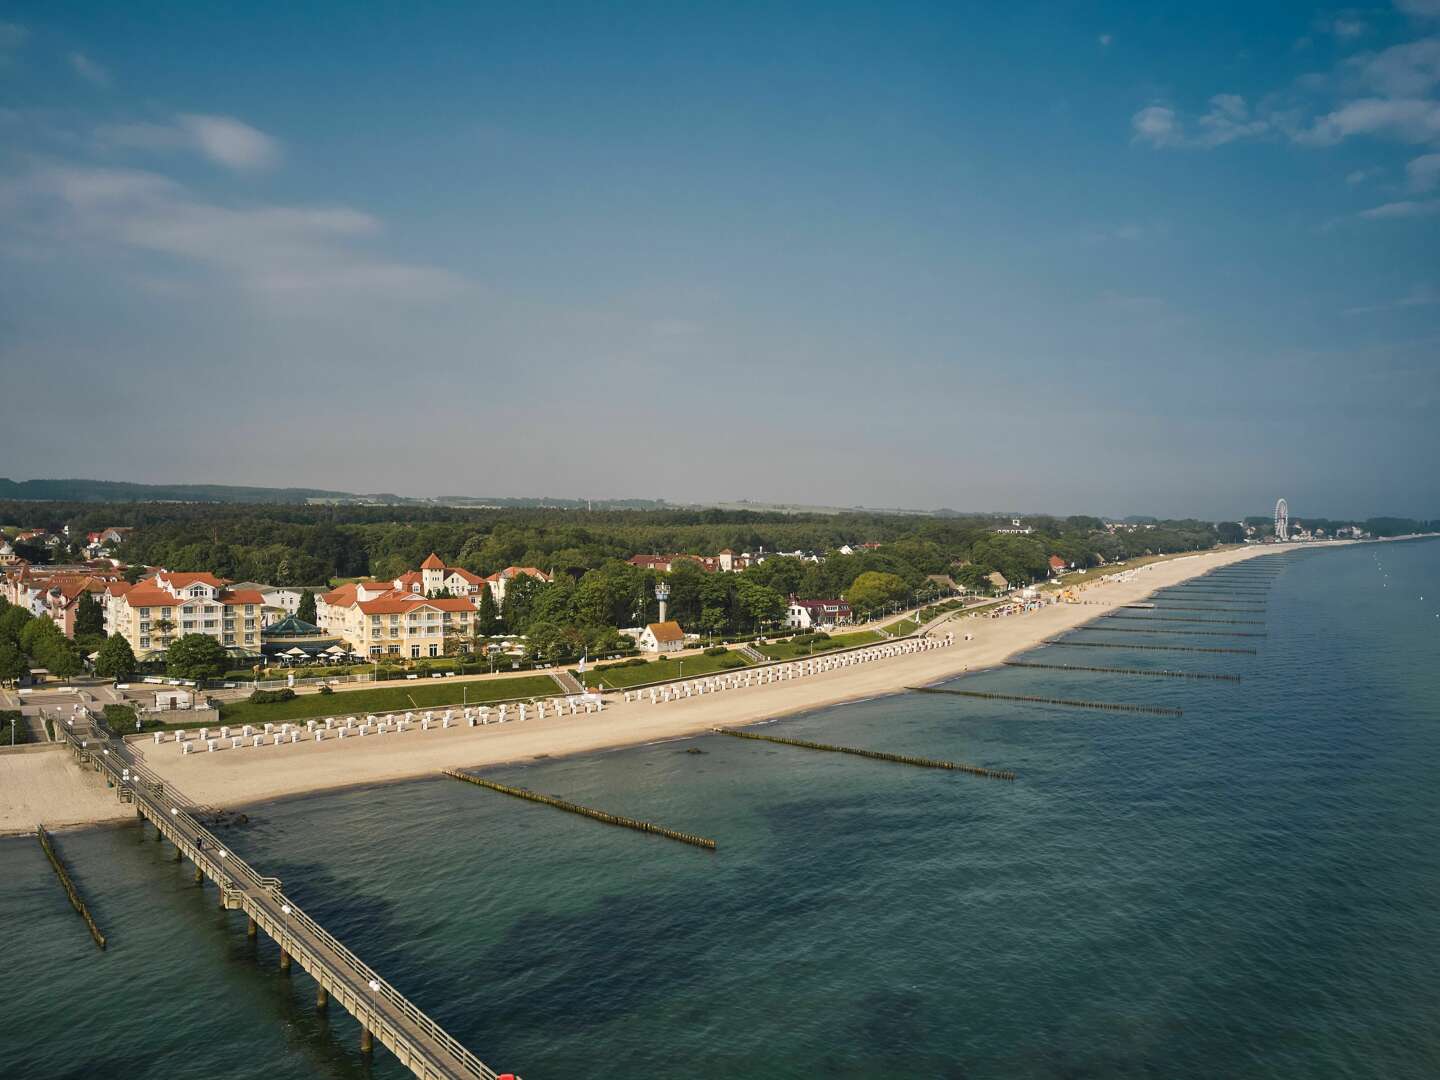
(36, 636)
(307, 607)
(89, 616)
(487, 615)
(872, 590)
(196, 656)
(759, 604)
(60, 656)
(12, 662)
(132, 574)
(116, 660)
(1230, 532)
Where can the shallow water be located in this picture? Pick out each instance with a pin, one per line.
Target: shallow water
(1248, 890)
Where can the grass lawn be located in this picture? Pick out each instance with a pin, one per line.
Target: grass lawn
(859, 637)
(787, 650)
(422, 695)
(619, 678)
(903, 628)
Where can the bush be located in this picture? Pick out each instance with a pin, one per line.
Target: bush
(121, 719)
(717, 650)
(10, 719)
(326, 689)
(733, 660)
(271, 697)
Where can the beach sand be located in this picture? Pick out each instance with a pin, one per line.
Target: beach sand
(238, 778)
(45, 787)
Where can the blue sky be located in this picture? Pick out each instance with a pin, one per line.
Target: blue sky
(979, 256)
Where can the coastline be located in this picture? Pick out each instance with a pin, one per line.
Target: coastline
(245, 779)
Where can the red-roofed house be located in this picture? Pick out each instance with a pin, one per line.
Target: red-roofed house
(1057, 565)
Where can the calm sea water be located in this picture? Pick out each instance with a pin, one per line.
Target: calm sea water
(1249, 890)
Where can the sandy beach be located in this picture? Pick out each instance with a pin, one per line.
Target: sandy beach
(57, 792)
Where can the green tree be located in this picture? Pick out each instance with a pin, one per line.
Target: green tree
(13, 620)
(196, 656)
(60, 656)
(487, 615)
(1230, 532)
(116, 660)
(307, 607)
(36, 637)
(759, 604)
(89, 616)
(12, 662)
(872, 590)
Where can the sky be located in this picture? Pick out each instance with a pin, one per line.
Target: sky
(1166, 259)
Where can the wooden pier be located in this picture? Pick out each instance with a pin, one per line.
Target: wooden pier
(385, 1014)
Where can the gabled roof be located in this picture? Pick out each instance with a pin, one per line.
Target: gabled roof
(669, 630)
(184, 581)
(434, 562)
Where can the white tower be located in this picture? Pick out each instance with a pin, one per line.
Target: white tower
(1282, 520)
(662, 593)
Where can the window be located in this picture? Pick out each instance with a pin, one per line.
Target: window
(375, 650)
(415, 652)
(144, 642)
(144, 612)
(434, 650)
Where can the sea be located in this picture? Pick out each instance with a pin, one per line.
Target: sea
(1248, 889)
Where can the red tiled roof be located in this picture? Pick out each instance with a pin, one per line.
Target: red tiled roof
(434, 562)
(242, 596)
(666, 631)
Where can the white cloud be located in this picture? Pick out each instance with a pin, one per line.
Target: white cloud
(1409, 208)
(1360, 176)
(89, 70)
(1410, 120)
(279, 253)
(1421, 8)
(1157, 125)
(230, 142)
(223, 139)
(1347, 28)
(1401, 71)
(1423, 173)
(1228, 120)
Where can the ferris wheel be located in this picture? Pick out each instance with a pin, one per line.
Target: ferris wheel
(1282, 520)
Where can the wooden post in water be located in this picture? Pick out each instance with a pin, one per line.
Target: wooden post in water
(199, 875)
(322, 997)
(251, 929)
(367, 1040)
(284, 961)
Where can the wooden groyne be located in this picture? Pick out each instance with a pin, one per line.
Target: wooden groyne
(1182, 619)
(1232, 610)
(1191, 633)
(584, 811)
(1158, 672)
(1107, 706)
(73, 893)
(878, 755)
(1151, 648)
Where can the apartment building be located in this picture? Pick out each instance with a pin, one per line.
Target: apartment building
(154, 613)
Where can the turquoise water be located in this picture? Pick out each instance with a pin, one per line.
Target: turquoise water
(1249, 890)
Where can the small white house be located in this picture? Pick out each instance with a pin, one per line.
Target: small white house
(172, 699)
(662, 637)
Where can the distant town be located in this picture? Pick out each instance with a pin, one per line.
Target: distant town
(280, 587)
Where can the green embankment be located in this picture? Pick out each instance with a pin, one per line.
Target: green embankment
(423, 695)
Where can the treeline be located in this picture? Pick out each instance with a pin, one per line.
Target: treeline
(1377, 526)
(310, 545)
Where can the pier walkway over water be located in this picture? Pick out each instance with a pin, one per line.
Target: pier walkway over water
(384, 1013)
